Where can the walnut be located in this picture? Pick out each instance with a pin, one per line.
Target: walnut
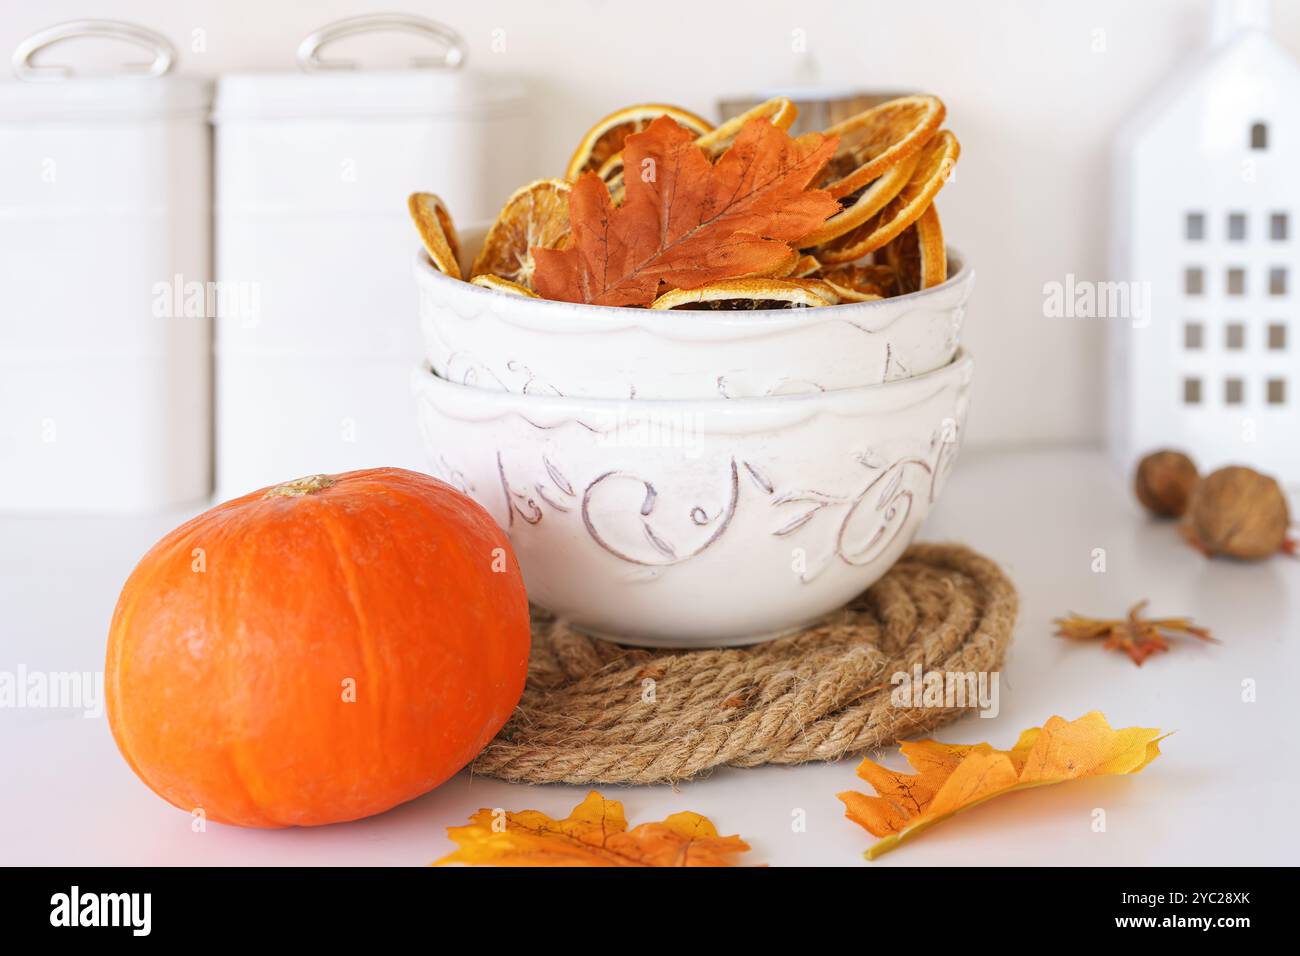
(1164, 483)
(1239, 512)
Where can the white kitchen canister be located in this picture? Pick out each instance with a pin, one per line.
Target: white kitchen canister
(105, 381)
(313, 244)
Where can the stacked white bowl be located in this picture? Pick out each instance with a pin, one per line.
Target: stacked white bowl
(694, 478)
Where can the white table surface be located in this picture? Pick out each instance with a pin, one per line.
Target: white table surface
(1223, 792)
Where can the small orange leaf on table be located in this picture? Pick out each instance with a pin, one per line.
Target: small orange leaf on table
(950, 778)
(1137, 636)
(686, 221)
(594, 834)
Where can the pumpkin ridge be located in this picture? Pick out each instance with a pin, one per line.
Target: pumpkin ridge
(114, 666)
(365, 633)
(128, 604)
(228, 600)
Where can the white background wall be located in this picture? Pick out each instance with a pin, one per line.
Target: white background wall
(1034, 90)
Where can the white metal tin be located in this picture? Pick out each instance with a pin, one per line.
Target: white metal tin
(104, 209)
(313, 171)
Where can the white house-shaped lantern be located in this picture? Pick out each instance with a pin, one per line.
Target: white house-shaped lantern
(1207, 212)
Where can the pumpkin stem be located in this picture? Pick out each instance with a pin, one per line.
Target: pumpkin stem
(301, 486)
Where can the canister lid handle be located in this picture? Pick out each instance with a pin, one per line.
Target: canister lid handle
(164, 54)
(453, 47)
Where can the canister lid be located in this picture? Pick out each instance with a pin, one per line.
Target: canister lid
(104, 98)
(48, 88)
(333, 86)
(364, 94)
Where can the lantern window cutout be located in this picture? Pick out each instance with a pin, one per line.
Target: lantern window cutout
(1234, 337)
(1277, 280)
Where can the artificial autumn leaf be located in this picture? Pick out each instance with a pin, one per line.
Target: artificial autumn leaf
(954, 777)
(594, 834)
(1136, 636)
(686, 221)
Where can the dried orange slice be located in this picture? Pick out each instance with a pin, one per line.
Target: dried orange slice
(819, 287)
(857, 208)
(498, 284)
(605, 139)
(611, 170)
(878, 138)
(862, 283)
(745, 294)
(779, 111)
(933, 167)
(917, 255)
(804, 267)
(536, 216)
(437, 231)
(612, 175)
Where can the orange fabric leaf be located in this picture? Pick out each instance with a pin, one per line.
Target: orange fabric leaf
(951, 777)
(1137, 636)
(594, 834)
(686, 221)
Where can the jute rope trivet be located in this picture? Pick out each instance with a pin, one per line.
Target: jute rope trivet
(596, 712)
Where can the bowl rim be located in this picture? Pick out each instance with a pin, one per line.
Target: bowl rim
(539, 312)
(877, 397)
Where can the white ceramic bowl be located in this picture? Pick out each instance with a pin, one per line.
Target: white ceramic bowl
(700, 523)
(477, 337)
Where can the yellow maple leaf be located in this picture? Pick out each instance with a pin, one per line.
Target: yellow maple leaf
(950, 778)
(594, 834)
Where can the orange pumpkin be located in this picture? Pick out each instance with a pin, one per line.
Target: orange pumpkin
(318, 651)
